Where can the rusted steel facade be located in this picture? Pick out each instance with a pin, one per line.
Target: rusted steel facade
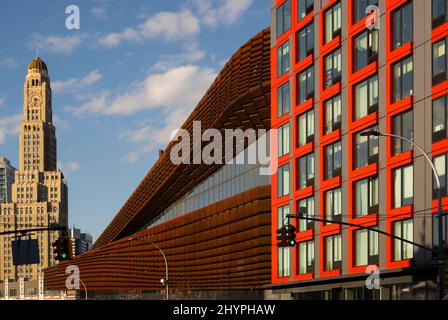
(224, 246)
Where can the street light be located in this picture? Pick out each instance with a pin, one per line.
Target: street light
(163, 281)
(376, 133)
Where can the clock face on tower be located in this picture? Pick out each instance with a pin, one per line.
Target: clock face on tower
(35, 99)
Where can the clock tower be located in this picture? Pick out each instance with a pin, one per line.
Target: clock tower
(37, 133)
(39, 193)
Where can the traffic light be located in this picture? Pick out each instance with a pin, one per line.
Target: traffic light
(62, 249)
(290, 235)
(57, 248)
(281, 236)
(286, 236)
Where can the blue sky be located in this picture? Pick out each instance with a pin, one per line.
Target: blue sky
(121, 84)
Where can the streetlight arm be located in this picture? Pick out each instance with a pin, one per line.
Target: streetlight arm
(164, 258)
(433, 167)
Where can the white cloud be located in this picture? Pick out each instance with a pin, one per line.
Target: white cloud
(99, 12)
(227, 12)
(179, 87)
(59, 122)
(75, 84)
(167, 25)
(149, 136)
(69, 168)
(8, 63)
(9, 126)
(56, 44)
(2, 101)
(191, 55)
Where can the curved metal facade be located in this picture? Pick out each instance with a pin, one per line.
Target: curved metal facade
(224, 246)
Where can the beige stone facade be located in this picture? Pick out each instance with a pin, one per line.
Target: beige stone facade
(39, 194)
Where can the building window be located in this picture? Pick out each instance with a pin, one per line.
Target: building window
(283, 253)
(305, 42)
(360, 8)
(402, 20)
(283, 99)
(283, 181)
(305, 125)
(439, 119)
(283, 59)
(284, 261)
(333, 23)
(366, 149)
(403, 79)
(439, 63)
(305, 171)
(333, 205)
(366, 196)
(435, 230)
(439, 13)
(366, 247)
(333, 160)
(403, 186)
(283, 18)
(305, 87)
(403, 125)
(306, 257)
(308, 205)
(366, 48)
(304, 8)
(282, 215)
(283, 140)
(333, 68)
(333, 252)
(440, 162)
(333, 117)
(402, 250)
(366, 97)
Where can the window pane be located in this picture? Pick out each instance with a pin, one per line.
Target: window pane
(438, 62)
(408, 185)
(408, 78)
(329, 253)
(337, 17)
(329, 205)
(408, 129)
(338, 248)
(362, 198)
(397, 242)
(302, 258)
(397, 28)
(329, 116)
(407, 23)
(373, 192)
(408, 234)
(397, 188)
(373, 91)
(361, 45)
(373, 243)
(438, 115)
(361, 248)
(440, 164)
(361, 100)
(328, 26)
(361, 151)
(337, 201)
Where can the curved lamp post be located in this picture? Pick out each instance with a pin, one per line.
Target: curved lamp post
(163, 281)
(376, 133)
